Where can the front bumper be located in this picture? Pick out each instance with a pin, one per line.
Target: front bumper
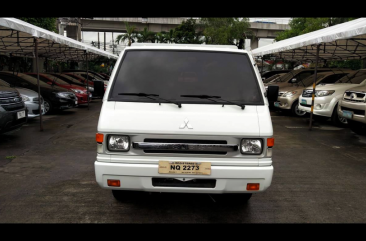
(9, 120)
(138, 177)
(33, 109)
(285, 102)
(323, 106)
(358, 109)
(64, 103)
(83, 99)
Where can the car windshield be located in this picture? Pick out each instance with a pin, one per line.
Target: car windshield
(33, 80)
(3, 83)
(56, 79)
(352, 78)
(286, 77)
(172, 73)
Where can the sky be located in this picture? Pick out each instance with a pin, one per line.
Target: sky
(93, 36)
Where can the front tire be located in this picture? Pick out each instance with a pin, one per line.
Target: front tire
(295, 110)
(47, 106)
(338, 120)
(357, 127)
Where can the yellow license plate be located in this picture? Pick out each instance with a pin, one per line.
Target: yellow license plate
(178, 167)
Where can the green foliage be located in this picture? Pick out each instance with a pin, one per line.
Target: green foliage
(349, 64)
(46, 23)
(129, 36)
(186, 33)
(225, 31)
(10, 157)
(301, 26)
(145, 36)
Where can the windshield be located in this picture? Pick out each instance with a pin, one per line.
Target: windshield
(56, 80)
(352, 78)
(33, 80)
(172, 73)
(310, 80)
(3, 83)
(66, 78)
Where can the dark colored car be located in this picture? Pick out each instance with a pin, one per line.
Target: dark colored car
(13, 113)
(55, 97)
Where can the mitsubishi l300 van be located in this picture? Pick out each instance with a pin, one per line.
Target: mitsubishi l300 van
(187, 119)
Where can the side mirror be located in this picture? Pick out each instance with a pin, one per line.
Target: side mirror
(293, 80)
(272, 93)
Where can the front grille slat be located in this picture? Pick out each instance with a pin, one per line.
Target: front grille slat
(13, 107)
(306, 105)
(216, 147)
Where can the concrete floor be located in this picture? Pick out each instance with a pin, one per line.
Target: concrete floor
(48, 177)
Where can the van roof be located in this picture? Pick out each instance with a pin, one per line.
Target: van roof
(229, 48)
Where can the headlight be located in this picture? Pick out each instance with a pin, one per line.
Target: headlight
(91, 88)
(24, 98)
(251, 146)
(77, 91)
(118, 143)
(63, 95)
(289, 94)
(320, 93)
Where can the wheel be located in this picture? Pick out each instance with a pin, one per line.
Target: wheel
(47, 106)
(357, 127)
(338, 120)
(295, 109)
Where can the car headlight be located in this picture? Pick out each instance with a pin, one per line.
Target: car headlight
(251, 146)
(77, 91)
(289, 94)
(63, 95)
(24, 98)
(118, 143)
(91, 88)
(321, 93)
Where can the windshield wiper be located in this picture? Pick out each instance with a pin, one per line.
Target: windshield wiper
(149, 95)
(209, 97)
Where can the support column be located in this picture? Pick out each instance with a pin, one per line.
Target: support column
(39, 88)
(314, 84)
(104, 42)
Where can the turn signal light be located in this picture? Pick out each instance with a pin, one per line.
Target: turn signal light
(114, 183)
(99, 137)
(253, 186)
(270, 142)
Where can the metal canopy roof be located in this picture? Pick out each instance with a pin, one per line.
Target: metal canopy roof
(340, 42)
(18, 39)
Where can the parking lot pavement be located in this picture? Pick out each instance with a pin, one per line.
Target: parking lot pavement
(48, 177)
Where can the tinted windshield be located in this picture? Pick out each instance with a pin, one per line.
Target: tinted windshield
(353, 78)
(33, 80)
(3, 83)
(171, 74)
(56, 79)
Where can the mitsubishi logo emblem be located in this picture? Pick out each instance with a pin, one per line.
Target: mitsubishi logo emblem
(185, 124)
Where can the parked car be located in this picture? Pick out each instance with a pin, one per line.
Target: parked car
(90, 76)
(327, 96)
(30, 99)
(99, 86)
(79, 91)
(54, 97)
(92, 73)
(270, 73)
(353, 107)
(71, 80)
(196, 121)
(13, 112)
(288, 97)
(273, 77)
(106, 77)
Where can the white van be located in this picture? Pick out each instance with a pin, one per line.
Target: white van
(187, 119)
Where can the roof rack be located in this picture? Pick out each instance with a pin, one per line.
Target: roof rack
(186, 45)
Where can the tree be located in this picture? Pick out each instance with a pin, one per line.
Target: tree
(46, 23)
(169, 36)
(187, 32)
(225, 31)
(161, 37)
(299, 26)
(145, 36)
(129, 36)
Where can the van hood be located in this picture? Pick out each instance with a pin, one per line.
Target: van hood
(359, 89)
(191, 119)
